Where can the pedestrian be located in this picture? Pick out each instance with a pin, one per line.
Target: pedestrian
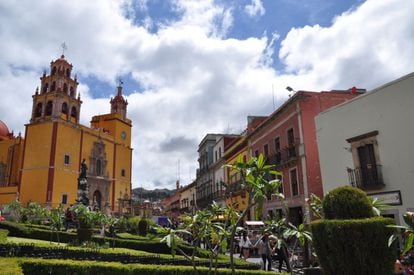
(245, 245)
(265, 251)
(68, 217)
(282, 255)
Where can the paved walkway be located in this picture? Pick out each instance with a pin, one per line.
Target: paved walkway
(258, 260)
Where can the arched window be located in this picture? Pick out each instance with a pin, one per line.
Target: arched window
(65, 88)
(44, 90)
(49, 108)
(38, 110)
(72, 92)
(98, 167)
(67, 72)
(65, 108)
(73, 112)
(54, 71)
(53, 86)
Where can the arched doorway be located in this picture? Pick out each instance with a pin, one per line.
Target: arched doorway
(97, 199)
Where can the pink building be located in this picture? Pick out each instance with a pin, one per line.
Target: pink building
(287, 138)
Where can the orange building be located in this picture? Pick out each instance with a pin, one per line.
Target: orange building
(44, 167)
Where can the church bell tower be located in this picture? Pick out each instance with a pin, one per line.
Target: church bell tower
(57, 97)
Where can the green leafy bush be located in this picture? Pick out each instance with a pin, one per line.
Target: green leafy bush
(355, 247)
(40, 266)
(148, 245)
(143, 227)
(15, 229)
(133, 224)
(347, 202)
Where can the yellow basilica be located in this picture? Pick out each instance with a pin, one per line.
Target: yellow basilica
(44, 166)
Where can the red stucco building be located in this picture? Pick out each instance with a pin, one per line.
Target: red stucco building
(287, 138)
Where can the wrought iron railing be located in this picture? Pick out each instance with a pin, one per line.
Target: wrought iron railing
(367, 177)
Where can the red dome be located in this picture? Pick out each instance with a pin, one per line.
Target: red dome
(4, 131)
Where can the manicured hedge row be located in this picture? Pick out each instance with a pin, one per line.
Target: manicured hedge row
(153, 246)
(40, 266)
(3, 235)
(19, 230)
(106, 255)
(357, 246)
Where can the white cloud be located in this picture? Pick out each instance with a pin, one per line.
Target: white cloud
(194, 79)
(366, 46)
(255, 8)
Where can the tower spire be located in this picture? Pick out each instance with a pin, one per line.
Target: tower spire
(118, 103)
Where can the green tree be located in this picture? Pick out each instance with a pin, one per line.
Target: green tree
(56, 218)
(15, 210)
(255, 176)
(35, 213)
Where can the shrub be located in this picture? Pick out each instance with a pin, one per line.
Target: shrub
(143, 227)
(147, 245)
(3, 235)
(41, 266)
(15, 229)
(347, 202)
(355, 247)
(133, 224)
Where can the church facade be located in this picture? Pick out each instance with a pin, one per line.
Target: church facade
(44, 165)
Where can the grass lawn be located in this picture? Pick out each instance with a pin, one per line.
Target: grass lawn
(10, 266)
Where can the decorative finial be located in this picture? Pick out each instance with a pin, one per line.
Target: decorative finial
(120, 82)
(64, 48)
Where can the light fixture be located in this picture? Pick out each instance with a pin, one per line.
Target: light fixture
(290, 89)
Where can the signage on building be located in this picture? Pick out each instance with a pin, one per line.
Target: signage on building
(390, 198)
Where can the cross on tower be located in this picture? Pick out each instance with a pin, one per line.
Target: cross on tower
(64, 47)
(120, 82)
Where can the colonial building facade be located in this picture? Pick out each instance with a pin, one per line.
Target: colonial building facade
(44, 166)
(367, 143)
(287, 139)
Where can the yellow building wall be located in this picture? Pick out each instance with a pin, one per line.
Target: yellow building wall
(122, 183)
(8, 194)
(36, 163)
(65, 180)
(13, 161)
(238, 201)
(70, 141)
(115, 125)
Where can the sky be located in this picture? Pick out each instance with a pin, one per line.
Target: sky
(192, 67)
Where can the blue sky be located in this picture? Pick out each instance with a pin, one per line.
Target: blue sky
(192, 67)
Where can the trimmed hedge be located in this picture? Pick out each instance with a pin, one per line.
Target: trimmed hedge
(53, 252)
(153, 246)
(41, 266)
(3, 235)
(357, 247)
(347, 202)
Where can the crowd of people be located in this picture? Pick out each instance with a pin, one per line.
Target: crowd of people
(268, 248)
(405, 266)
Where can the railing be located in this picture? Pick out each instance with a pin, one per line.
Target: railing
(286, 155)
(368, 177)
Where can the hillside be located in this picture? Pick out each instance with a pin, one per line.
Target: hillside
(140, 193)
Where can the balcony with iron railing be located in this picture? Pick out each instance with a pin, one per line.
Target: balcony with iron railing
(286, 155)
(369, 177)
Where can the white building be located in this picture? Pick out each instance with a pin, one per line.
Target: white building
(367, 142)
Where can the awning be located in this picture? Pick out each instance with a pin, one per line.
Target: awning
(254, 223)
